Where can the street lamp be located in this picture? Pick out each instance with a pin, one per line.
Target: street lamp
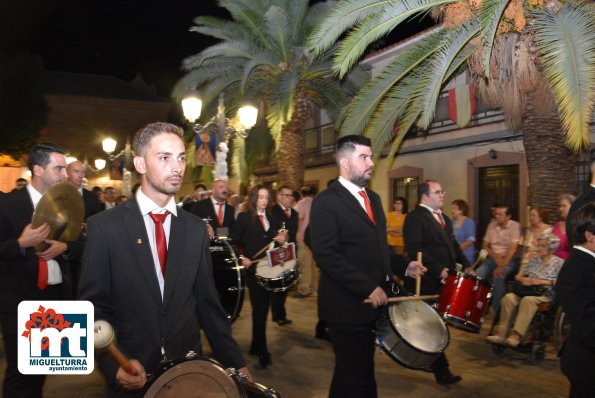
(220, 125)
(109, 146)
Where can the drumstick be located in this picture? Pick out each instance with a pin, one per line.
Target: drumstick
(105, 339)
(407, 298)
(418, 280)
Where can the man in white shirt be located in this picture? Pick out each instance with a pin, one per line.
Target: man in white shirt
(24, 273)
(147, 271)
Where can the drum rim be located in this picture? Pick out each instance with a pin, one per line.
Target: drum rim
(438, 317)
(240, 277)
(474, 278)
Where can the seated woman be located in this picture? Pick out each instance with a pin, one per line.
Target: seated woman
(542, 271)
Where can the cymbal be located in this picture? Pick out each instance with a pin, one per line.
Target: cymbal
(62, 208)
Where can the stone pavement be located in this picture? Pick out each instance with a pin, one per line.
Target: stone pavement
(302, 366)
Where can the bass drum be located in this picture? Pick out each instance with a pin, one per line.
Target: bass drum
(230, 277)
(413, 334)
(202, 377)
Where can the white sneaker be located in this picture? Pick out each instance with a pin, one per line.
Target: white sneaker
(496, 339)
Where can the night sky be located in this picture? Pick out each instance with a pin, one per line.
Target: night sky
(112, 37)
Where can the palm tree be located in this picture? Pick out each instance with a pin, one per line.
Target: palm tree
(533, 58)
(262, 55)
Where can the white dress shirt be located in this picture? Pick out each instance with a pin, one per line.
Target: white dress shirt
(147, 206)
(54, 272)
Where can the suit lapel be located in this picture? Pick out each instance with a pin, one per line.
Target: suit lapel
(351, 202)
(441, 231)
(137, 232)
(175, 255)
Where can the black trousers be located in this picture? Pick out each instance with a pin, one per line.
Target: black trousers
(278, 306)
(354, 361)
(260, 299)
(16, 384)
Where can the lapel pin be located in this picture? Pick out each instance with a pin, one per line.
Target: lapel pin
(139, 241)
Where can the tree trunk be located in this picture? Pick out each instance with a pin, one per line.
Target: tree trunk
(552, 166)
(290, 159)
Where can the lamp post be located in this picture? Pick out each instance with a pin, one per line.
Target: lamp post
(109, 146)
(221, 125)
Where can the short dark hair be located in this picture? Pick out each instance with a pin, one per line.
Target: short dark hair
(583, 221)
(96, 190)
(346, 145)
(504, 206)
(21, 179)
(308, 191)
(461, 204)
(424, 189)
(39, 154)
(404, 201)
(284, 187)
(203, 186)
(144, 135)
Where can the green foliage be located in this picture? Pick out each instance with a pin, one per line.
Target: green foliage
(407, 90)
(23, 107)
(262, 55)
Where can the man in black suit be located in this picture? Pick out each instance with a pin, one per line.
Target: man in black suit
(215, 208)
(586, 197)
(575, 290)
(429, 231)
(24, 273)
(147, 270)
(283, 211)
(348, 237)
(76, 173)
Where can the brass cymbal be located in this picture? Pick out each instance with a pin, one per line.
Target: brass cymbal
(62, 208)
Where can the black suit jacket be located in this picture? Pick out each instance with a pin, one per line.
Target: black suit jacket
(423, 233)
(119, 279)
(204, 209)
(91, 207)
(352, 253)
(575, 290)
(290, 223)
(19, 269)
(587, 197)
(251, 236)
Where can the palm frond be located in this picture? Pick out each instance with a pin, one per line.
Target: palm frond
(490, 15)
(360, 110)
(223, 49)
(434, 77)
(378, 25)
(278, 28)
(566, 41)
(341, 18)
(218, 28)
(298, 10)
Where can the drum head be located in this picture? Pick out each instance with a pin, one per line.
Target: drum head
(198, 378)
(419, 325)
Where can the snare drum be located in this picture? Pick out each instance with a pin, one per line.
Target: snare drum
(202, 377)
(464, 301)
(230, 277)
(277, 273)
(413, 334)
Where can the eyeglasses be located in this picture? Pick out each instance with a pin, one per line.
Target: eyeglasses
(439, 192)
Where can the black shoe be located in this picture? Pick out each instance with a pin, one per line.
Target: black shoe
(445, 378)
(322, 335)
(264, 360)
(283, 322)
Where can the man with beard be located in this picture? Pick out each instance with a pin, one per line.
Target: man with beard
(148, 273)
(348, 236)
(24, 273)
(221, 215)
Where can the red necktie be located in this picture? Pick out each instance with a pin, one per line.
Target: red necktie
(42, 279)
(440, 219)
(158, 219)
(368, 206)
(220, 214)
(264, 226)
(287, 214)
